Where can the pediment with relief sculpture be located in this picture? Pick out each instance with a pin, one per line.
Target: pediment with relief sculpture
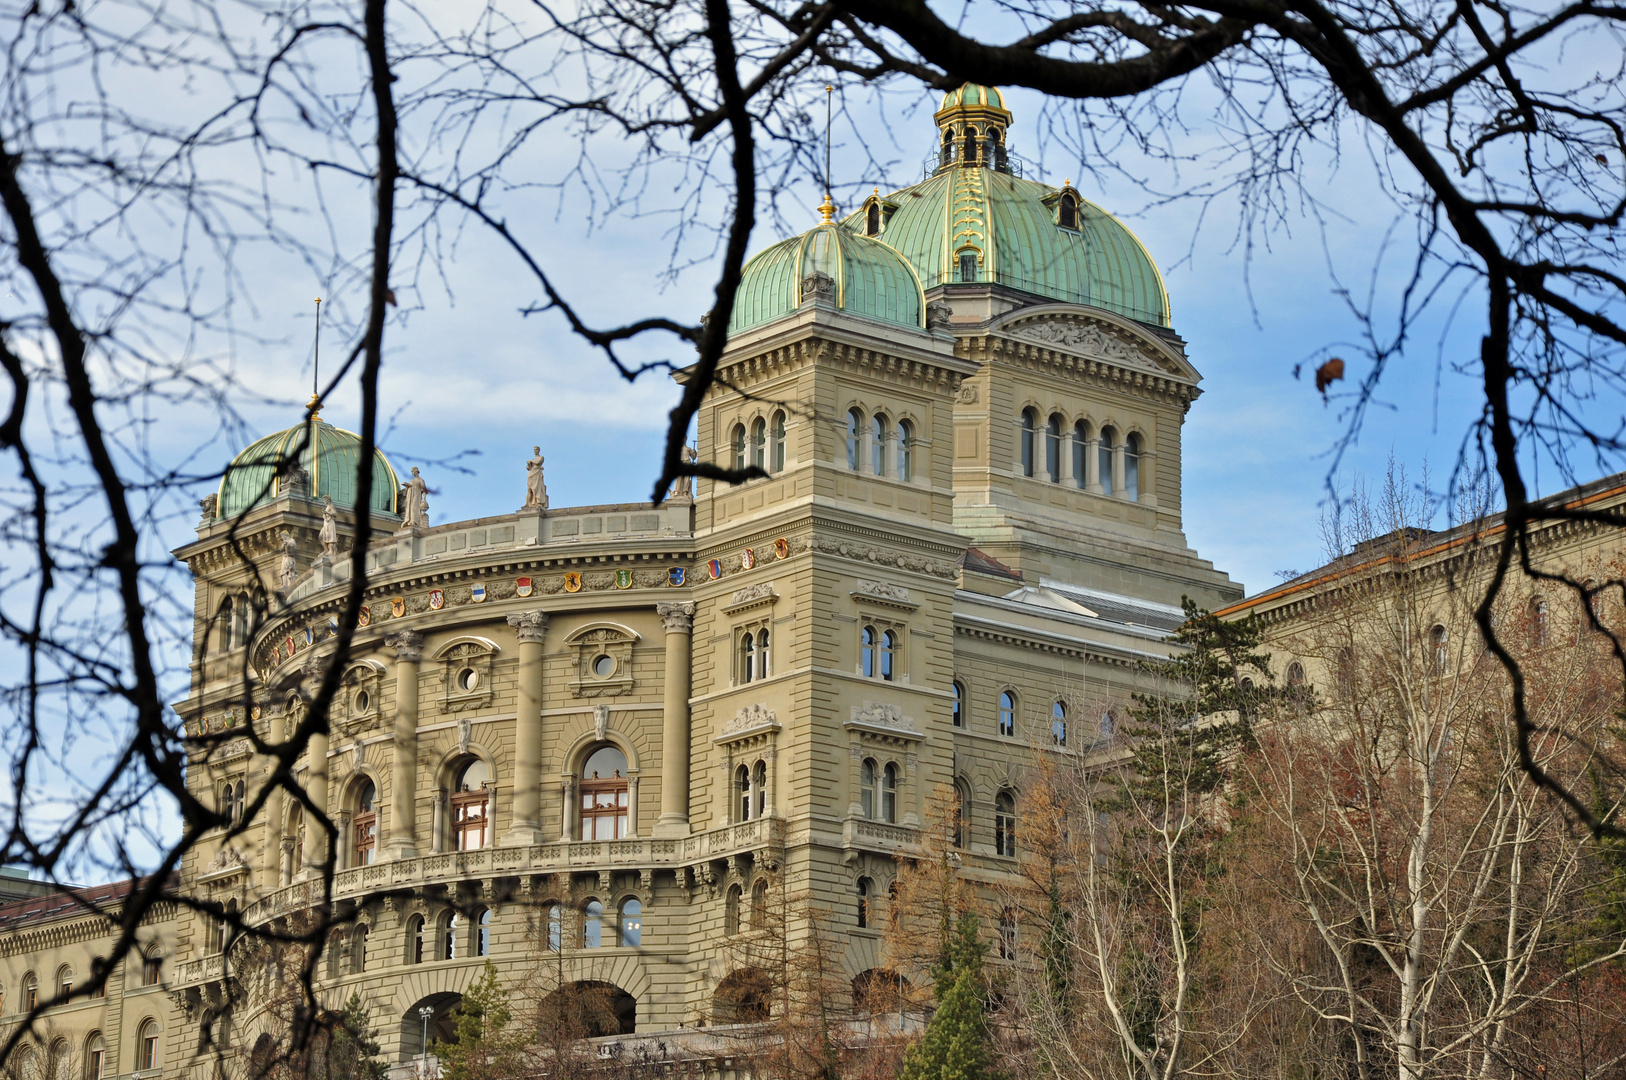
(1066, 329)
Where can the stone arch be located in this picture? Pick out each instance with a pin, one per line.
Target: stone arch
(577, 635)
(582, 746)
(440, 1024)
(450, 761)
(590, 1008)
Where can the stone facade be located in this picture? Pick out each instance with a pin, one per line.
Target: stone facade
(920, 598)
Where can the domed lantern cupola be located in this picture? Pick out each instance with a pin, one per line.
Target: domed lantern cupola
(971, 126)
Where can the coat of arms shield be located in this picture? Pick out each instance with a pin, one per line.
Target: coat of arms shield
(522, 586)
(623, 579)
(573, 582)
(437, 599)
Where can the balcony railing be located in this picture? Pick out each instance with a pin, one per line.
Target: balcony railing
(562, 857)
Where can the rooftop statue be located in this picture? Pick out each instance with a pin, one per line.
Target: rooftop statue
(536, 490)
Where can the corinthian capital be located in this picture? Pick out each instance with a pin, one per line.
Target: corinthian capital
(677, 616)
(408, 645)
(529, 625)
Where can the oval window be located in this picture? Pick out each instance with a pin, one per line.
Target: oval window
(603, 666)
(468, 679)
(362, 701)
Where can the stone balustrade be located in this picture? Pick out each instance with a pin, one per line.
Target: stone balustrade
(584, 856)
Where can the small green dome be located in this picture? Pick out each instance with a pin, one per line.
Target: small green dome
(871, 279)
(972, 94)
(329, 460)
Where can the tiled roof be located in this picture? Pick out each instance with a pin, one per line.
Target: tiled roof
(73, 900)
(983, 563)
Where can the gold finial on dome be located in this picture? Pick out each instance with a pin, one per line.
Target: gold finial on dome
(314, 407)
(827, 210)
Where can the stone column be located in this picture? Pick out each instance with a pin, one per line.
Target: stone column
(679, 621)
(341, 821)
(402, 837)
(1064, 447)
(287, 875)
(772, 800)
(1092, 466)
(316, 849)
(1148, 478)
(632, 802)
(439, 825)
(567, 788)
(531, 627)
(855, 780)
(1118, 488)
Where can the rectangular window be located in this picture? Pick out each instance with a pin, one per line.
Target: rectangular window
(968, 266)
(469, 820)
(604, 809)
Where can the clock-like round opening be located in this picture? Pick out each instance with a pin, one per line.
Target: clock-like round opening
(468, 679)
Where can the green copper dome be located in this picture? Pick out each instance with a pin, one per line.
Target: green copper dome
(329, 460)
(870, 279)
(973, 221)
(972, 94)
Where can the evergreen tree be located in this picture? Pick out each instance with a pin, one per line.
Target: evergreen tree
(955, 1045)
(350, 1051)
(485, 1047)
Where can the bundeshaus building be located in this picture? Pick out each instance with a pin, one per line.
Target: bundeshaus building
(598, 734)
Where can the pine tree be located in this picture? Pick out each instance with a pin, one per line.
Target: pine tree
(350, 1051)
(485, 1047)
(955, 1045)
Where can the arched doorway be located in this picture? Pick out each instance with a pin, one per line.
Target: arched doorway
(744, 997)
(587, 1010)
(440, 1025)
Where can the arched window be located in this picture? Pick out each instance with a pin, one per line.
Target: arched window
(632, 922)
(227, 806)
(1005, 825)
(1081, 447)
(759, 443)
(28, 1063)
(777, 442)
(1438, 639)
(64, 981)
(968, 265)
(1007, 934)
(958, 704)
(556, 927)
(365, 824)
(147, 1046)
(748, 656)
(731, 911)
(482, 932)
(1030, 422)
(1104, 459)
(1132, 466)
(855, 429)
(604, 795)
(97, 964)
(762, 653)
(742, 792)
(1069, 211)
(759, 905)
(1052, 447)
(1538, 624)
(225, 624)
(1058, 723)
(866, 785)
(471, 823)
(759, 781)
(240, 807)
(152, 970)
(866, 651)
(1295, 675)
(95, 1057)
(59, 1060)
(962, 815)
(415, 942)
(1007, 714)
(358, 949)
(906, 450)
(451, 925)
(872, 220)
(31, 992)
(593, 925)
(865, 888)
(889, 793)
(736, 439)
(889, 649)
(879, 435)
